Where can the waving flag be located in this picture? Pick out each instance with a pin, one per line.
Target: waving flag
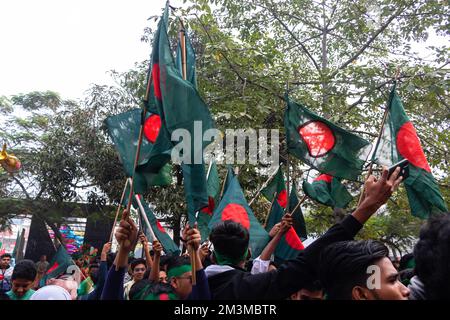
(327, 190)
(276, 186)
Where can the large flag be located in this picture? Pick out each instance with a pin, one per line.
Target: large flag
(234, 206)
(399, 141)
(181, 107)
(297, 215)
(327, 190)
(124, 132)
(58, 265)
(213, 189)
(290, 244)
(322, 144)
(276, 186)
(161, 234)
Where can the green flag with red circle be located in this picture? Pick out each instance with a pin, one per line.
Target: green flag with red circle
(327, 190)
(276, 187)
(399, 141)
(323, 145)
(213, 189)
(124, 132)
(234, 206)
(291, 242)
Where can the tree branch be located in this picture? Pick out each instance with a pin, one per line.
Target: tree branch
(22, 187)
(371, 39)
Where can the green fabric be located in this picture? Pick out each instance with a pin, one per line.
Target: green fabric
(223, 260)
(124, 132)
(178, 271)
(234, 206)
(213, 189)
(285, 251)
(26, 296)
(332, 194)
(16, 245)
(58, 265)
(347, 155)
(180, 106)
(421, 187)
(85, 287)
(276, 185)
(163, 237)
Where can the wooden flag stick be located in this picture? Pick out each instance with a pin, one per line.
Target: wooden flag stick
(142, 211)
(299, 203)
(118, 209)
(264, 185)
(223, 184)
(192, 253)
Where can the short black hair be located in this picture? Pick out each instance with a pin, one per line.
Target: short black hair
(147, 290)
(137, 262)
(404, 260)
(164, 260)
(230, 239)
(343, 265)
(24, 269)
(432, 257)
(6, 255)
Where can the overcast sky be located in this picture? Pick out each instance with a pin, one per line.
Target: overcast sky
(65, 45)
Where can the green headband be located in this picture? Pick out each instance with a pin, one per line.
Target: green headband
(221, 260)
(178, 271)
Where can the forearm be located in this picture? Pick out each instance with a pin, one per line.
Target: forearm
(154, 273)
(148, 258)
(113, 289)
(121, 260)
(270, 247)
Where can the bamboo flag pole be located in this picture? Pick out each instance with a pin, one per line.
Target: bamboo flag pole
(369, 172)
(142, 211)
(118, 209)
(192, 253)
(223, 184)
(264, 185)
(299, 203)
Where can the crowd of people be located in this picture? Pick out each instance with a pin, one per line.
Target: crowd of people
(334, 266)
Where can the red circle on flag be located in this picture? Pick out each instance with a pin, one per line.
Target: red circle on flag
(282, 198)
(408, 145)
(236, 213)
(293, 240)
(159, 226)
(318, 137)
(151, 127)
(324, 177)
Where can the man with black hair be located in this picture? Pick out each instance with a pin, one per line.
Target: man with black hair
(87, 285)
(360, 270)
(147, 290)
(228, 280)
(432, 259)
(22, 280)
(138, 268)
(6, 271)
(310, 291)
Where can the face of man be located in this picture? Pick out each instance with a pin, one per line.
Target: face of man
(79, 262)
(162, 276)
(4, 263)
(138, 272)
(92, 271)
(182, 285)
(43, 258)
(390, 286)
(21, 286)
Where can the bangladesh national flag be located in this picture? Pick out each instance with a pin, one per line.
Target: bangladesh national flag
(163, 237)
(276, 186)
(322, 144)
(399, 141)
(124, 132)
(213, 189)
(58, 265)
(234, 206)
(290, 244)
(299, 219)
(328, 190)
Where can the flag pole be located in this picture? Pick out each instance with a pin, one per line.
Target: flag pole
(299, 203)
(192, 253)
(223, 184)
(270, 209)
(118, 209)
(264, 185)
(142, 211)
(386, 111)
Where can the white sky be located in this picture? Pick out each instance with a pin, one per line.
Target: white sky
(65, 45)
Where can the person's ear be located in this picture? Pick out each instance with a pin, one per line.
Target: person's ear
(360, 293)
(173, 282)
